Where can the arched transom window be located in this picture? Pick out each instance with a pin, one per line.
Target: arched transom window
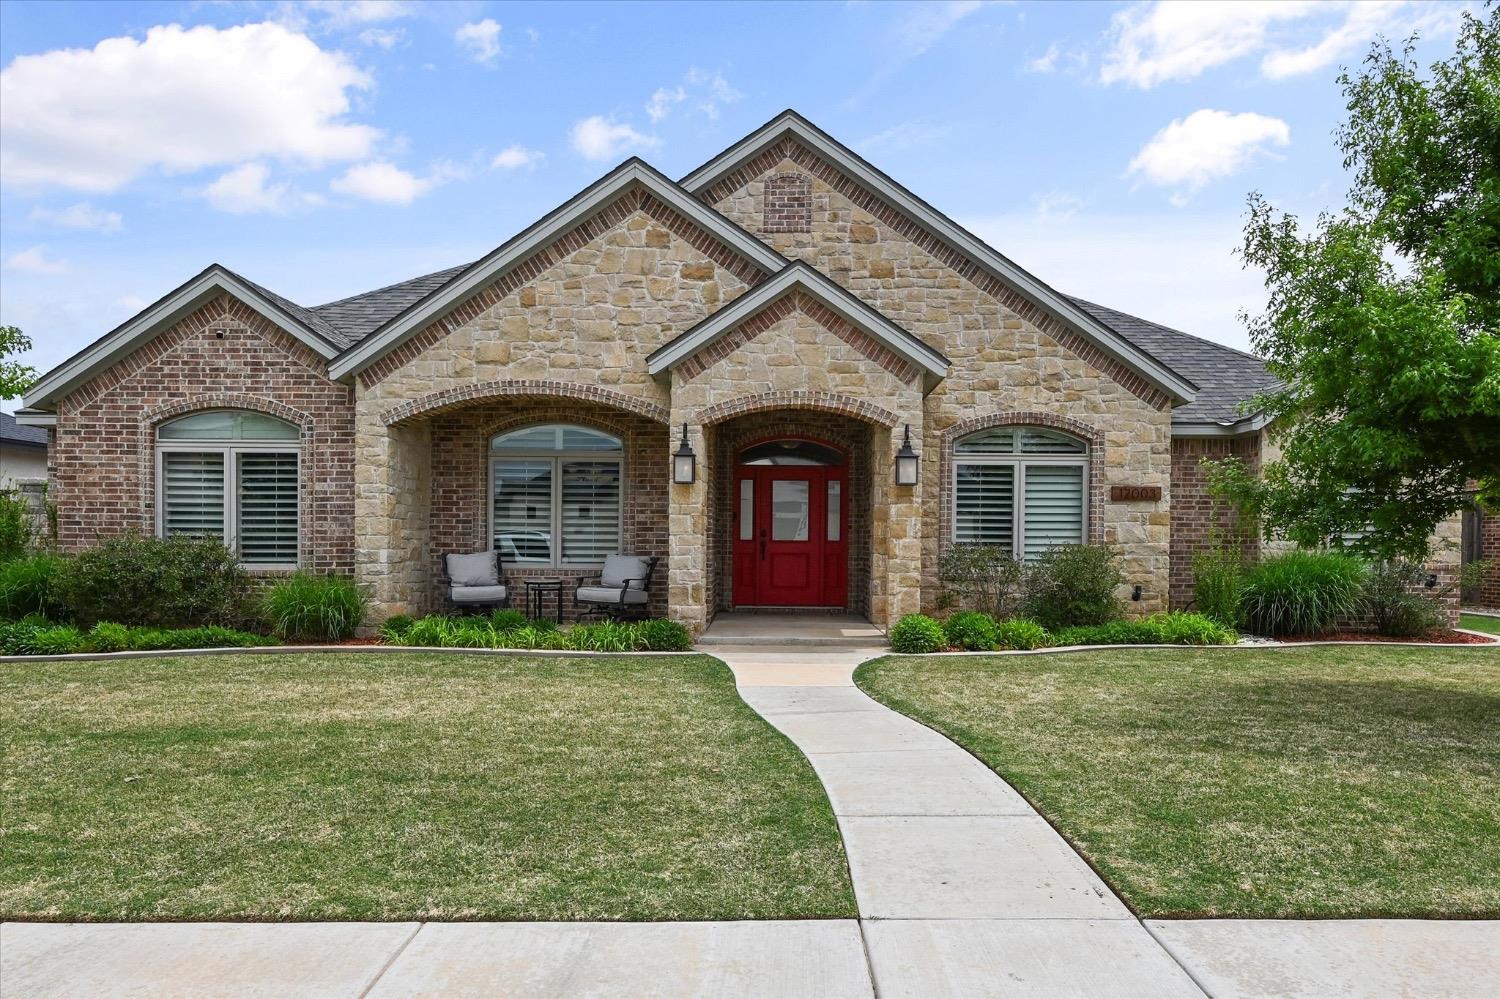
(231, 474)
(555, 495)
(1023, 488)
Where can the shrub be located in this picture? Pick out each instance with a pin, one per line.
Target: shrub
(507, 619)
(971, 631)
(1175, 628)
(16, 637)
(58, 640)
(537, 635)
(1021, 633)
(1182, 628)
(393, 629)
(106, 636)
(209, 636)
(918, 634)
(981, 577)
(1302, 593)
(1073, 585)
(662, 635)
(606, 636)
(319, 608)
(1218, 585)
(29, 585)
(1395, 601)
(15, 526)
(427, 631)
(157, 582)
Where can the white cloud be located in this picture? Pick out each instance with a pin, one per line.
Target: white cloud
(927, 23)
(1169, 40)
(1206, 145)
(383, 38)
(34, 260)
(597, 138)
(341, 15)
(1057, 204)
(244, 191)
(1179, 39)
(80, 216)
(1046, 62)
(177, 100)
(1177, 268)
(661, 103)
(514, 157)
(481, 39)
(906, 135)
(389, 184)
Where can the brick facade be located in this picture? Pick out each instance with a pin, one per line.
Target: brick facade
(223, 355)
(1193, 509)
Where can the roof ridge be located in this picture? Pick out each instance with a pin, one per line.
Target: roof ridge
(392, 285)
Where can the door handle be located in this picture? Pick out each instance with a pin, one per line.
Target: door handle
(763, 544)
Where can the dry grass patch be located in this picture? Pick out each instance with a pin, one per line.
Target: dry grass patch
(1311, 782)
(344, 786)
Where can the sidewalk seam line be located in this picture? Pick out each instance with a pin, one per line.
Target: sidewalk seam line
(1186, 970)
(390, 961)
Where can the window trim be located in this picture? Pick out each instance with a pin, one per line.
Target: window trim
(554, 514)
(1018, 463)
(231, 450)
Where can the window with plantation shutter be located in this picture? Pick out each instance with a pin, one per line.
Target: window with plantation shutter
(193, 493)
(266, 507)
(1022, 488)
(556, 495)
(231, 475)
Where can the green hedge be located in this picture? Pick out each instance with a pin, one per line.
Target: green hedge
(34, 636)
(501, 631)
(918, 634)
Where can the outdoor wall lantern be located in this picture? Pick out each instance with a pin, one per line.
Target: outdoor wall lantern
(683, 461)
(1135, 594)
(1431, 580)
(907, 462)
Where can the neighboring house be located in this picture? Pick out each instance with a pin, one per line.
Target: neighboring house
(23, 453)
(794, 309)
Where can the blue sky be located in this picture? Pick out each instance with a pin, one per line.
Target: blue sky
(323, 149)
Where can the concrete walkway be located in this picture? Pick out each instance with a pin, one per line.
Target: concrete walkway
(963, 890)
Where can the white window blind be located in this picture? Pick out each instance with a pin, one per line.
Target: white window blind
(590, 510)
(193, 493)
(266, 507)
(1053, 508)
(522, 510)
(985, 500)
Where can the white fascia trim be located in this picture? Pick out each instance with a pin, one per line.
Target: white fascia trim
(591, 200)
(68, 375)
(1108, 341)
(34, 419)
(1249, 425)
(821, 288)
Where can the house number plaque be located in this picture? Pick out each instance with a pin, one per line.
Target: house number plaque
(1123, 494)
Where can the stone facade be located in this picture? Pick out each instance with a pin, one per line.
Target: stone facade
(222, 356)
(1005, 358)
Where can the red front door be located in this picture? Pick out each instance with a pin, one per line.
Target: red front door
(789, 528)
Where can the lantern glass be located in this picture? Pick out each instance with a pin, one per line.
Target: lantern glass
(682, 469)
(906, 470)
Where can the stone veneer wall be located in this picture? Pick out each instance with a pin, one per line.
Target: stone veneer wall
(222, 356)
(732, 436)
(1006, 357)
(1193, 508)
(460, 488)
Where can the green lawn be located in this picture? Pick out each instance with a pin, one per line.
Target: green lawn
(1314, 782)
(404, 787)
(1478, 622)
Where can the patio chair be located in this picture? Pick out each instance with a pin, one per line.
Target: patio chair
(476, 580)
(622, 590)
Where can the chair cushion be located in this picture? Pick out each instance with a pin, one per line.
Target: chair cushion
(609, 595)
(479, 569)
(477, 594)
(618, 568)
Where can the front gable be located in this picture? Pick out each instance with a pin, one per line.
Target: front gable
(812, 198)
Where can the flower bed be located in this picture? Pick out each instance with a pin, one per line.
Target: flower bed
(971, 631)
(509, 629)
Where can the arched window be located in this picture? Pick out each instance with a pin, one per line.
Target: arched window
(1024, 488)
(555, 495)
(231, 474)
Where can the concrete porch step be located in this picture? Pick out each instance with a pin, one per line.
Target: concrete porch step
(792, 629)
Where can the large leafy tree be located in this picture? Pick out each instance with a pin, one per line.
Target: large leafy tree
(1383, 321)
(15, 377)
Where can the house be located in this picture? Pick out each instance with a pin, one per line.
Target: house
(789, 315)
(23, 453)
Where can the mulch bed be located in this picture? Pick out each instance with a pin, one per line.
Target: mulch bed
(1440, 637)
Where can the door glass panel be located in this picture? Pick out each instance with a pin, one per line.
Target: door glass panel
(747, 509)
(790, 453)
(835, 514)
(789, 510)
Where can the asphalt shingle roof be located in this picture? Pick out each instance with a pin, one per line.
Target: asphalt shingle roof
(14, 433)
(1224, 376)
(360, 315)
(306, 316)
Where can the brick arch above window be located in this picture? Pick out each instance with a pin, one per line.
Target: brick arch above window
(823, 402)
(454, 398)
(154, 417)
(948, 440)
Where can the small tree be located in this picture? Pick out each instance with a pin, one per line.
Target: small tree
(1383, 321)
(15, 378)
